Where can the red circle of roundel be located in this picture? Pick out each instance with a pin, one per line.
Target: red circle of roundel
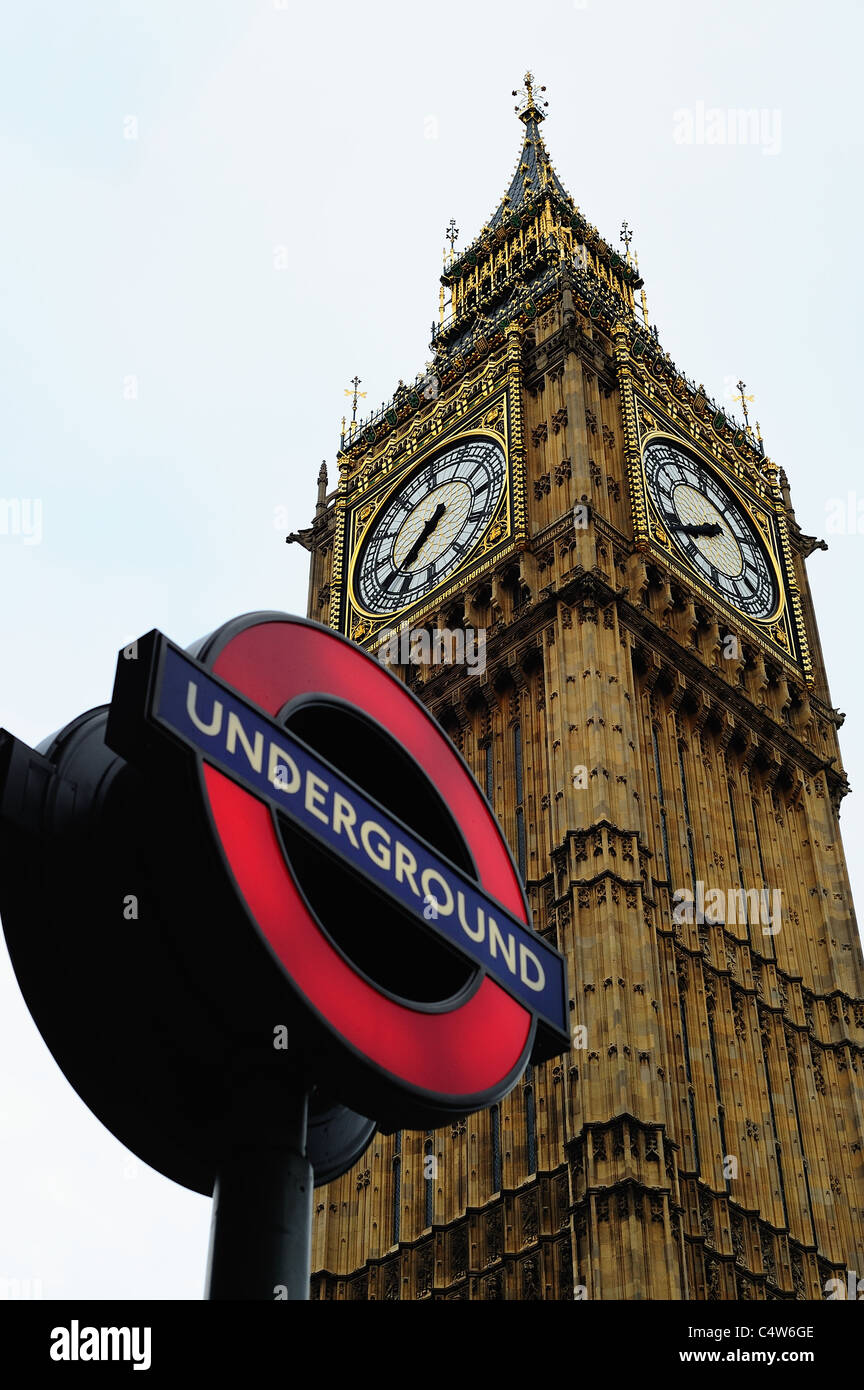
(465, 1051)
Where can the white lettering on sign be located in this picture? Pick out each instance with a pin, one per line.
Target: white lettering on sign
(344, 816)
(379, 853)
(316, 792)
(254, 752)
(384, 851)
(406, 868)
(215, 724)
(428, 876)
(279, 765)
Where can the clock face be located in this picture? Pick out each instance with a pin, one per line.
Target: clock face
(711, 529)
(429, 526)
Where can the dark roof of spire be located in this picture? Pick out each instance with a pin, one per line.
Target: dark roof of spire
(534, 169)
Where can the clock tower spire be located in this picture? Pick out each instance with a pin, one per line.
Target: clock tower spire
(652, 726)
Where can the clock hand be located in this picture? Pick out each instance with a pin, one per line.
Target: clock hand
(703, 528)
(695, 528)
(418, 544)
(421, 540)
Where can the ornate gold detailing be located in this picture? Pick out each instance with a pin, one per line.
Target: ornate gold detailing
(672, 395)
(336, 567)
(632, 453)
(788, 565)
(777, 631)
(723, 760)
(517, 443)
(527, 104)
(494, 421)
(468, 412)
(356, 395)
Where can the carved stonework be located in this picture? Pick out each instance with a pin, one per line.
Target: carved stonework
(530, 1278)
(706, 1214)
(565, 1270)
(738, 1237)
(529, 1209)
(666, 738)
(493, 1287)
(424, 1270)
(494, 1235)
(459, 1252)
(798, 1279)
(390, 1281)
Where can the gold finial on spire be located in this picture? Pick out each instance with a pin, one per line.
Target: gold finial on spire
(452, 235)
(742, 400)
(641, 290)
(528, 103)
(357, 394)
(626, 236)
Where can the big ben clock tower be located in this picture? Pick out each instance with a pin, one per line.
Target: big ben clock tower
(653, 728)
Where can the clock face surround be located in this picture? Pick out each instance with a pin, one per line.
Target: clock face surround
(429, 526)
(711, 529)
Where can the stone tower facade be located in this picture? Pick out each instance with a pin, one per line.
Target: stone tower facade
(653, 728)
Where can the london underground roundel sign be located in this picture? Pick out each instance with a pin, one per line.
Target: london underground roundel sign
(364, 856)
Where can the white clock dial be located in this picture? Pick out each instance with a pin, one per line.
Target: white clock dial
(711, 529)
(427, 529)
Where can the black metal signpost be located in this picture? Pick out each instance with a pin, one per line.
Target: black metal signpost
(289, 899)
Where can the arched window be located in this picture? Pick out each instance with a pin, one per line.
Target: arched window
(661, 803)
(521, 854)
(686, 804)
(429, 1172)
(495, 1125)
(530, 1122)
(397, 1188)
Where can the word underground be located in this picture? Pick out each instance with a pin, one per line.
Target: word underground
(417, 646)
(76, 1343)
(722, 905)
(281, 770)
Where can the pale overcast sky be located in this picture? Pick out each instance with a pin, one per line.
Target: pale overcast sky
(214, 215)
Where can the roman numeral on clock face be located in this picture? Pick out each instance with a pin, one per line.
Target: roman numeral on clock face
(706, 501)
(432, 522)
